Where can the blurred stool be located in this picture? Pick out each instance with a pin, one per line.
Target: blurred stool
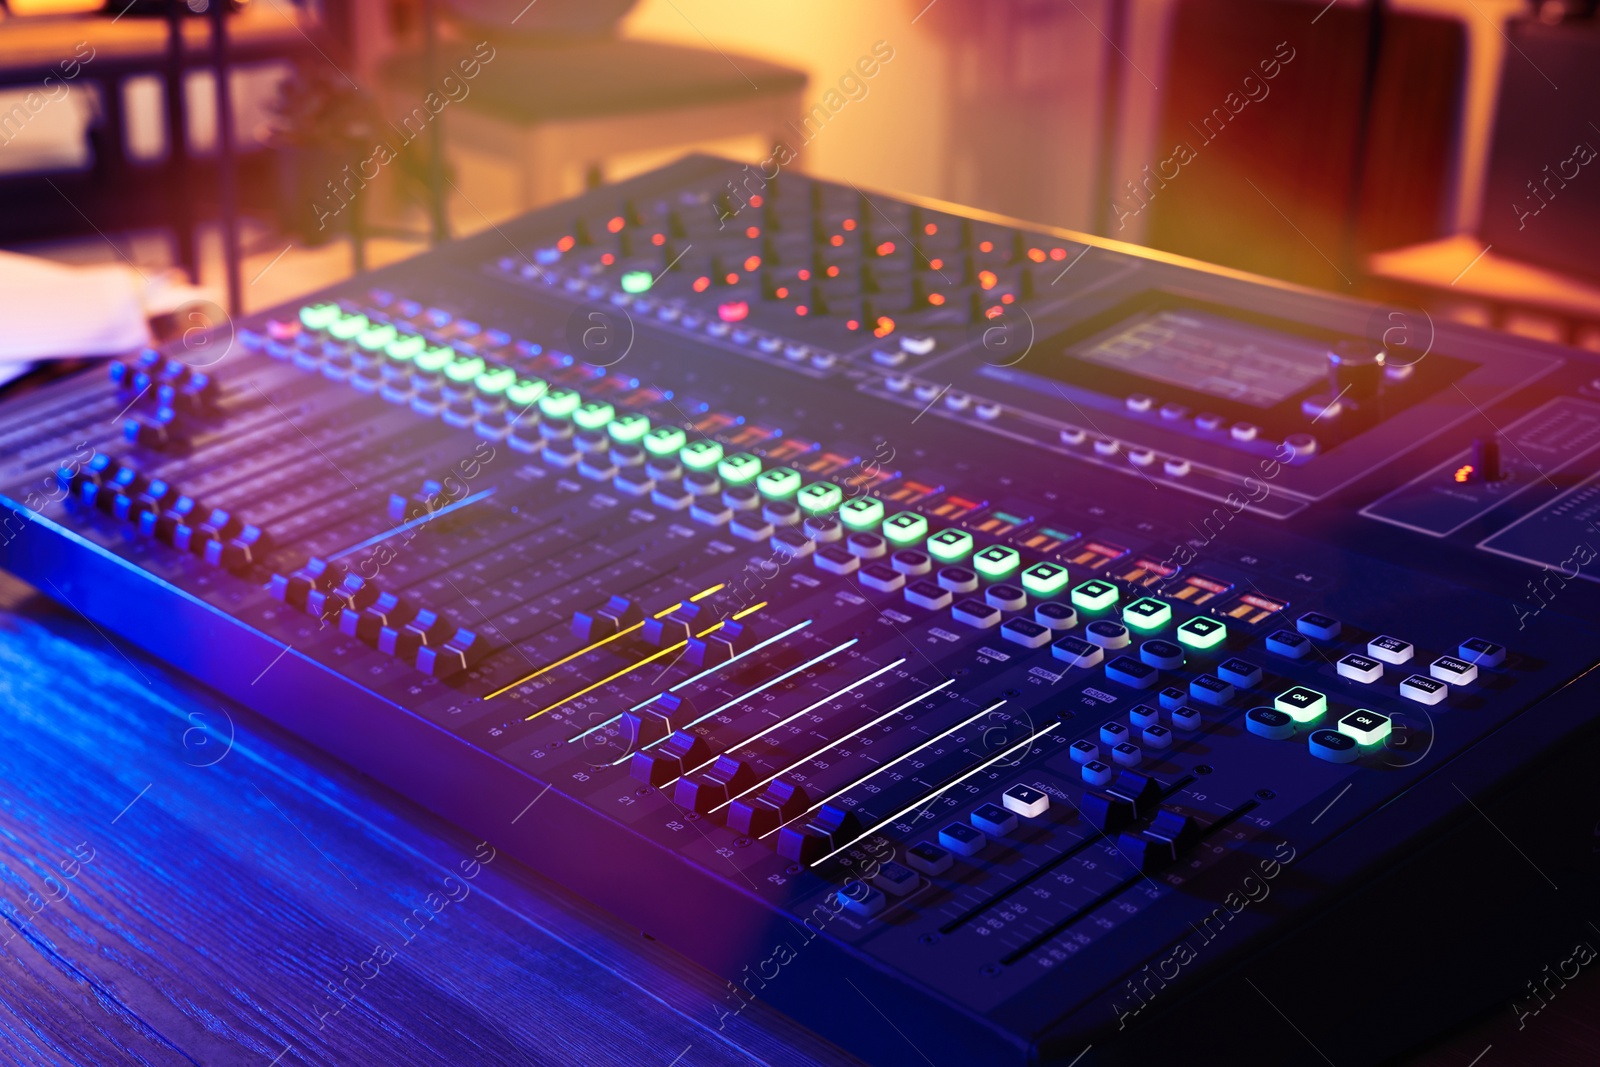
(547, 106)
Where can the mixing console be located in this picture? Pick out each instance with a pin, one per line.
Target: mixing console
(985, 643)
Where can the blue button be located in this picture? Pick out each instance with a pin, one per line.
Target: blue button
(1332, 746)
(1239, 672)
(1288, 643)
(958, 837)
(929, 858)
(1211, 689)
(1077, 652)
(994, 820)
(1270, 723)
(1315, 624)
(1129, 671)
(863, 900)
(1173, 697)
(1163, 655)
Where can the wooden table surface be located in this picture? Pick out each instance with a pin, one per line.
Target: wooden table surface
(181, 882)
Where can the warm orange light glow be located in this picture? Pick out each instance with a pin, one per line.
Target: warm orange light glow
(782, 292)
(1058, 254)
(753, 232)
(755, 201)
(608, 259)
(1036, 254)
(986, 246)
(804, 276)
(936, 299)
(1464, 473)
(993, 313)
(801, 309)
(752, 262)
(732, 278)
(849, 224)
(987, 279)
(885, 326)
(701, 284)
(833, 272)
(886, 249)
(836, 240)
(1006, 298)
(852, 325)
(659, 239)
(930, 229)
(565, 244)
(936, 264)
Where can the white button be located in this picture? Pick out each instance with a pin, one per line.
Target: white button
(1360, 668)
(1322, 407)
(1452, 670)
(917, 346)
(988, 410)
(956, 401)
(1424, 690)
(1096, 773)
(1141, 457)
(795, 352)
(1390, 649)
(1126, 755)
(926, 392)
(1073, 436)
(1106, 447)
(1084, 751)
(1139, 402)
(1177, 467)
(1026, 801)
(1243, 431)
(897, 383)
(1156, 736)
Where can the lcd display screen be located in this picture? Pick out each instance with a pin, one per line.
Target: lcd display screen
(1209, 354)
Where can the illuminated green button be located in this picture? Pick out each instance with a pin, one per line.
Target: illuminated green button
(347, 327)
(1094, 595)
(434, 360)
(1301, 704)
(526, 391)
(664, 440)
(628, 429)
(1366, 727)
(819, 497)
(739, 468)
(905, 528)
(1201, 633)
(465, 370)
(496, 380)
(1045, 579)
(593, 415)
(319, 316)
(861, 512)
(779, 483)
(637, 281)
(701, 455)
(377, 337)
(409, 347)
(996, 562)
(1147, 615)
(559, 403)
(948, 546)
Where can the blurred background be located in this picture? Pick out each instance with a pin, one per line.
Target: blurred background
(1434, 153)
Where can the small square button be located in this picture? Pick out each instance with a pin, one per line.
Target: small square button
(1094, 595)
(1388, 649)
(926, 594)
(1202, 634)
(1163, 655)
(1097, 774)
(896, 880)
(994, 820)
(1316, 624)
(1210, 689)
(1147, 615)
(1360, 668)
(1452, 670)
(1026, 801)
(1056, 615)
(1172, 697)
(1239, 672)
(1333, 746)
(836, 560)
(1301, 704)
(963, 839)
(1288, 643)
(1186, 718)
(1026, 633)
(1006, 597)
(1077, 652)
(864, 902)
(1270, 723)
(929, 858)
(1482, 652)
(1084, 751)
(1130, 672)
(1156, 736)
(1126, 754)
(1366, 727)
(1143, 715)
(976, 613)
(882, 577)
(1113, 733)
(1424, 690)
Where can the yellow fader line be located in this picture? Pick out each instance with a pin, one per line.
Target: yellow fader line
(603, 641)
(647, 660)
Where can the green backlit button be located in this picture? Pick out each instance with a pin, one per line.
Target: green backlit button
(1201, 633)
(905, 528)
(1366, 727)
(628, 429)
(1147, 614)
(739, 468)
(779, 483)
(377, 337)
(436, 359)
(861, 512)
(996, 562)
(347, 327)
(526, 391)
(319, 316)
(664, 440)
(949, 546)
(1094, 595)
(1301, 704)
(819, 498)
(405, 348)
(701, 455)
(593, 415)
(559, 403)
(636, 281)
(465, 369)
(496, 380)
(1045, 579)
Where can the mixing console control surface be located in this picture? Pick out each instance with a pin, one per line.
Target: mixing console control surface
(882, 592)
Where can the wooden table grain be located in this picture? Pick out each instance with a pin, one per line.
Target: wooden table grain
(181, 882)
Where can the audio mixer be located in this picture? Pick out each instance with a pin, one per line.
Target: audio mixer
(982, 642)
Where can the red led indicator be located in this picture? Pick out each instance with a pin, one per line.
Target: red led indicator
(616, 224)
(737, 311)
